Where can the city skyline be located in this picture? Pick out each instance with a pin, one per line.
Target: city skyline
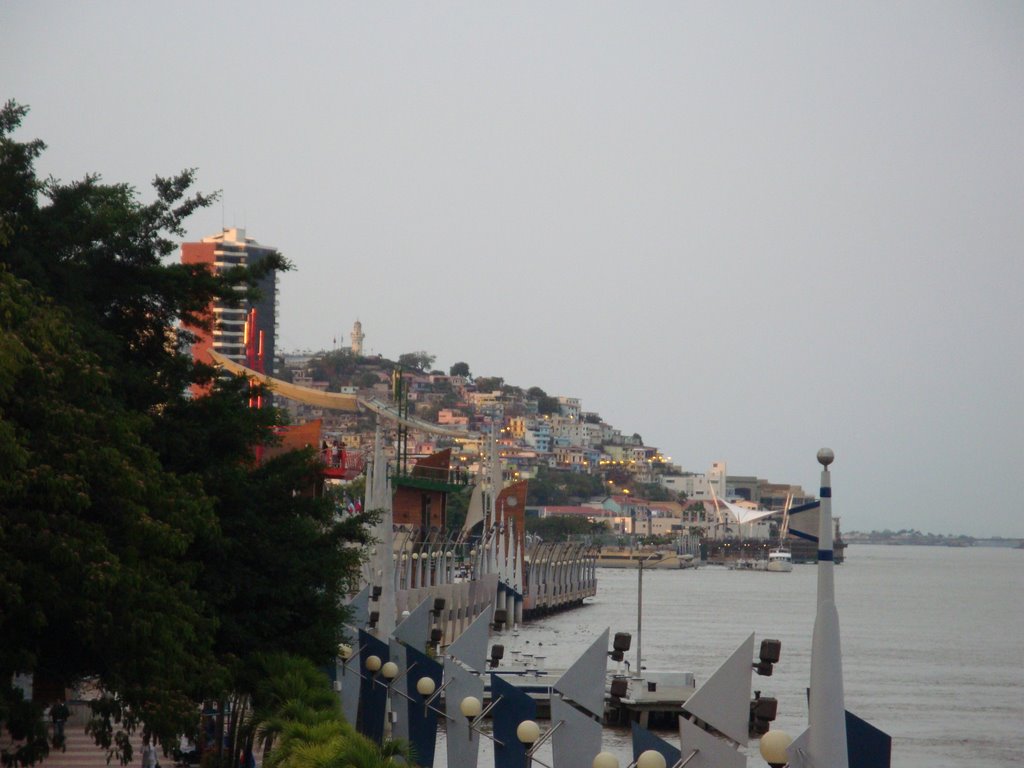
(743, 231)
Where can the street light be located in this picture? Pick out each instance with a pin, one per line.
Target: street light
(528, 732)
(605, 760)
(470, 707)
(373, 663)
(651, 758)
(773, 748)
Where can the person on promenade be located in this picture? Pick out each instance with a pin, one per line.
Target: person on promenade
(59, 714)
(148, 754)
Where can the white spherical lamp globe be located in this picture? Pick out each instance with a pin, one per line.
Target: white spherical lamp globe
(373, 663)
(389, 670)
(470, 706)
(425, 686)
(651, 758)
(345, 651)
(773, 747)
(528, 732)
(605, 760)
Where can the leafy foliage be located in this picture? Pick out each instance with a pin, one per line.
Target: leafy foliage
(141, 546)
(297, 721)
(545, 404)
(489, 383)
(421, 361)
(558, 528)
(556, 487)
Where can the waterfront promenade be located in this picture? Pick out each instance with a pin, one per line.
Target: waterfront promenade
(81, 750)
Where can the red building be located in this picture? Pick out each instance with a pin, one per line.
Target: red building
(252, 346)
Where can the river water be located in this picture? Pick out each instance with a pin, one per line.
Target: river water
(932, 641)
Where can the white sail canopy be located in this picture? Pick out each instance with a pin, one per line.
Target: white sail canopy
(745, 515)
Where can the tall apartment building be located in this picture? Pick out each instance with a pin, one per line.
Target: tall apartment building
(231, 248)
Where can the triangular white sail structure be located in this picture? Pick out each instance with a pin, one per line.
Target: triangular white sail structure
(475, 512)
(723, 701)
(577, 739)
(705, 750)
(583, 682)
(414, 629)
(471, 646)
(804, 521)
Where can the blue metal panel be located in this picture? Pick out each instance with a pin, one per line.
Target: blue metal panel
(644, 740)
(422, 721)
(514, 707)
(373, 694)
(866, 746)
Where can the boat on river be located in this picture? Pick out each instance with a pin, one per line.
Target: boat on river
(779, 561)
(652, 558)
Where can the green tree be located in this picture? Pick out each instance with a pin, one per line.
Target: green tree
(545, 405)
(457, 507)
(557, 487)
(559, 528)
(297, 719)
(459, 369)
(421, 361)
(94, 530)
(489, 383)
(136, 520)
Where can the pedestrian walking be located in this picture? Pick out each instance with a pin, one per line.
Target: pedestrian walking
(59, 714)
(149, 754)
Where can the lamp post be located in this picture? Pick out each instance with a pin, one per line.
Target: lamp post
(528, 733)
(471, 707)
(425, 686)
(389, 671)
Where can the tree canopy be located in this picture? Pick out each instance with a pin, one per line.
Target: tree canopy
(141, 547)
(421, 361)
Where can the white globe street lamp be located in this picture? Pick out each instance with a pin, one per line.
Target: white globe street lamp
(470, 707)
(528, 732)
(773, 748)
(651, 758)
(605, 760)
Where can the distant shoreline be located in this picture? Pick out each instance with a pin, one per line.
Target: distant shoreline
(935, 541)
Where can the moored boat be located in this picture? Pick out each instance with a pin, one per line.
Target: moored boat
(779, 561)
(652, 558)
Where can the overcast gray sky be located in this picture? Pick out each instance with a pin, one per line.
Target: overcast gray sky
(743, 230)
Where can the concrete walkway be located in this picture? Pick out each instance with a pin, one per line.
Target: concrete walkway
(81, 751)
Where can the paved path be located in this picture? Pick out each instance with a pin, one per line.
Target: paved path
(81, 752)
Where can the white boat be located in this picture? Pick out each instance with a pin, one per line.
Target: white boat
(779, 561)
